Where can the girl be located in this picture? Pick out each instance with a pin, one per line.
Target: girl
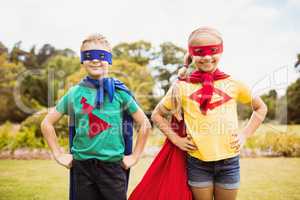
(207, 100)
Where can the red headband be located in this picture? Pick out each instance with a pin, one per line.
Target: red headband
(206, 50)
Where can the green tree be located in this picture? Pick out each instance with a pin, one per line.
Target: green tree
(171, 57)
(138, 78)
(30, 60)
(139, 52)
(44, 85)
(293, 102)
(270, 100)
(13, 101)
(46, 52)
(3, 48)
(244, 111)
(298, 61)
(282, 110)
(17, 55)
(44, 70)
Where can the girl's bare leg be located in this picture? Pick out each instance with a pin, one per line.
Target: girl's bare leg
(225, 194)
(202, 193)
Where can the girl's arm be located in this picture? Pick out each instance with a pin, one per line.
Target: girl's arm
(49, 134)
(159, 118)
(258, 115)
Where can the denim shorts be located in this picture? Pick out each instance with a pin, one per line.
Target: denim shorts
(223, 173)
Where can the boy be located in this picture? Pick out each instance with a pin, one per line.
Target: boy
(96, 107)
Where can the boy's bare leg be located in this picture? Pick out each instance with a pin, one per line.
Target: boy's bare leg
(225, 194)
(202, 193)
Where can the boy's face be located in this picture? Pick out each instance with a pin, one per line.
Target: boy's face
(96, 68)
(206, 63)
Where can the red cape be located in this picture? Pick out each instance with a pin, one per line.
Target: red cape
(166, 177)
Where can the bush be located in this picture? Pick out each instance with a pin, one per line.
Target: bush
(5, 136)
(284, 144)
(34, 122)
(27, 137)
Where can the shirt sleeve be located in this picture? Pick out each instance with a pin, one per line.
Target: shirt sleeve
(64, 104)
(129, 102)
(166, 101)
(244, 95)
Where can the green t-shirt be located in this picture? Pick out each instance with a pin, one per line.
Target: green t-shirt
(108, 145)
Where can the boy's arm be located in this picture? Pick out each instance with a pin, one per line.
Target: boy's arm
(258, 115)
(144, 129)
(49, 134)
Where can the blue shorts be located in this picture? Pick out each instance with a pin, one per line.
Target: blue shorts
(223, 173)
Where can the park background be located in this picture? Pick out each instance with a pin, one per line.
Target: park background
(39, 61)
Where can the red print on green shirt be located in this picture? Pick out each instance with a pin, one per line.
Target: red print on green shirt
(96, 125)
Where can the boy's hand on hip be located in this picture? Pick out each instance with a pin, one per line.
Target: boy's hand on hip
(129, 161)
(64, 159)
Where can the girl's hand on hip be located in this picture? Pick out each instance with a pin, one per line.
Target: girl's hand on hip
(185, 143)
(238, 142)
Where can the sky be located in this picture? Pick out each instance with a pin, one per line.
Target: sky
(261, 37)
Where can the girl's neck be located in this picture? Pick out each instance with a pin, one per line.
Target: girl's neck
(212, 71)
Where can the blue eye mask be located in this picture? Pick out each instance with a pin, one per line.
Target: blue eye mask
(96, 54)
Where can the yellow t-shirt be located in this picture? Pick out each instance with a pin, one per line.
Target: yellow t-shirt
(212, 133)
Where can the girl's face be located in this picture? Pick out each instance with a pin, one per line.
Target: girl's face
(206, 63)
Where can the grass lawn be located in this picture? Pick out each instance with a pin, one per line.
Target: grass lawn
(261, 179)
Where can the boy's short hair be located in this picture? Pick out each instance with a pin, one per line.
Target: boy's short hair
(95, 39)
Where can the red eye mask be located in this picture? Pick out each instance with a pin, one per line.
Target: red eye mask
(206, 50)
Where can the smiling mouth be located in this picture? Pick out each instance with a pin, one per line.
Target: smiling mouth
(212, 62)
(96, 67)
